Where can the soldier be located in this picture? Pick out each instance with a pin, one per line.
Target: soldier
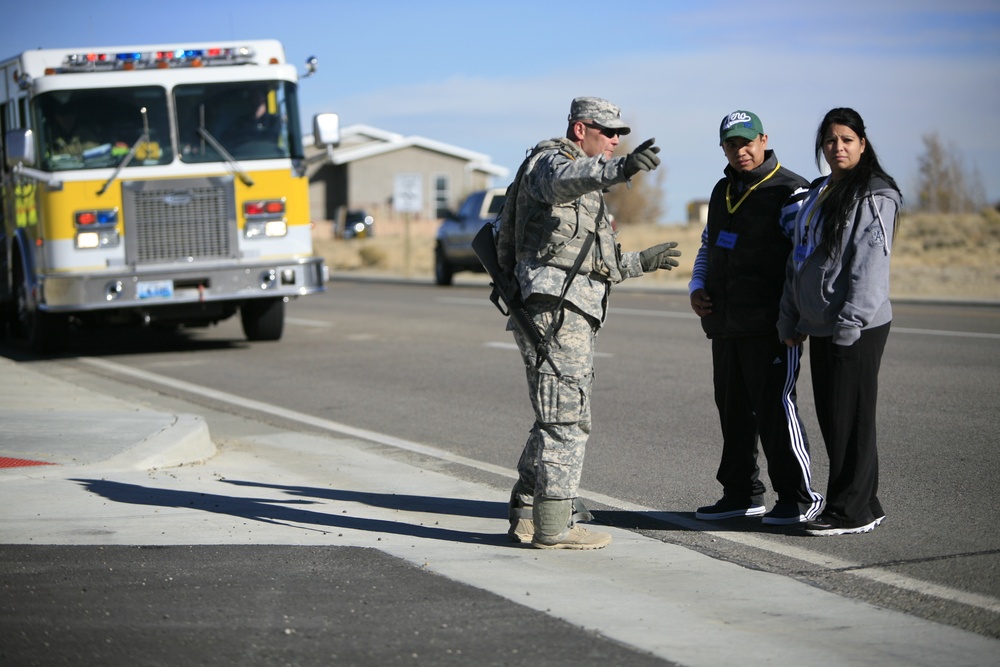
(564, 255)
(735, 289)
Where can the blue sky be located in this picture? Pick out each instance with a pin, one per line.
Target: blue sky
(497, 77)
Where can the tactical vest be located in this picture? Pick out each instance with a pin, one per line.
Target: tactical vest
(554, 235)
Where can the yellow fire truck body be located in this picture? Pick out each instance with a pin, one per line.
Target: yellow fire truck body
(158, 184)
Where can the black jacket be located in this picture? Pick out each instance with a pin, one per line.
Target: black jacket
(748, 249)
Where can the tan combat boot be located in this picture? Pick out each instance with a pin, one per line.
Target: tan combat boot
(522, 527)
(554, 527)
(521, 517)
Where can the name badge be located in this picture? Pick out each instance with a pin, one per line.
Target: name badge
(801, 253)
(726, 240)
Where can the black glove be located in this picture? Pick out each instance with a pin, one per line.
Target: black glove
(642, 158)
(659, 257)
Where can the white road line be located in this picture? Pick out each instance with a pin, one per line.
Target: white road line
(937, 332)
(881, 575)
(903, 330)
(309, 323)
(650, 313)
(658, 313)
(513, 346)
(641, 312)
(465, 301)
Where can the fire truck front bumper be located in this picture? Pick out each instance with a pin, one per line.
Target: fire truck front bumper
(166, 285)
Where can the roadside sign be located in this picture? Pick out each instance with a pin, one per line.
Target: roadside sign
(408, 193)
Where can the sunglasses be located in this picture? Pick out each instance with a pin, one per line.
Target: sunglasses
(606, 131)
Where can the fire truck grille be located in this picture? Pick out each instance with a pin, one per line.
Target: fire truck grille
(179, 221)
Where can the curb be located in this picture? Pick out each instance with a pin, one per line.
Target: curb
(186, 441)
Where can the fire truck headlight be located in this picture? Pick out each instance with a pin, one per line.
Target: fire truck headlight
(88, 240)
(275, 228)
(99, 238)
(266, 228)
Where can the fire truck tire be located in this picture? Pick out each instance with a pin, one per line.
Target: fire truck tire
(45, 333)
(7, 320)
(263, 319)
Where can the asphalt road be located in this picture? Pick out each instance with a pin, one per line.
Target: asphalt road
(421, 364)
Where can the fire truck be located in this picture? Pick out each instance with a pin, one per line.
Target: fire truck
(154, 185)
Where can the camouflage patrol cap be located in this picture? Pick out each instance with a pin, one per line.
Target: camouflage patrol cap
(600, 112)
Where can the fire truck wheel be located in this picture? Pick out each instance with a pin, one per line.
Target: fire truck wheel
(45, 333)
(263, 319)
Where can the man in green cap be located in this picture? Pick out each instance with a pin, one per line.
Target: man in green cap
(735, 289)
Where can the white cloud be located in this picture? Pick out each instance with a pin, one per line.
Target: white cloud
(909, 66)
(681, 98)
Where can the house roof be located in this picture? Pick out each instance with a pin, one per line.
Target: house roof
(362, 141)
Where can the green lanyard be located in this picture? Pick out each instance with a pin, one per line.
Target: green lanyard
(732, 209)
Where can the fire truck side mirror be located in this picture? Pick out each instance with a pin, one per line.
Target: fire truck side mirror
(311, 64)
(326, 129)
(20, 145)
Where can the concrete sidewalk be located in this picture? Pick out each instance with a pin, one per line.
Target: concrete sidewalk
(127, 475)
(48, 421)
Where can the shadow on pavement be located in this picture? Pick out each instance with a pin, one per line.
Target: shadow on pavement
(112, 342)
(288, 512)
(482, 509)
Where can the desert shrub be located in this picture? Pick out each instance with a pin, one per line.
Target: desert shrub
(371, 256)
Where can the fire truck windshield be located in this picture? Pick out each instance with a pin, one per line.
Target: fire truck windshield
(93, 129)
(251, 121)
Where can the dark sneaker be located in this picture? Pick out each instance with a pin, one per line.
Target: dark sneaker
(784, 514)
(728, 508)
(824, 526)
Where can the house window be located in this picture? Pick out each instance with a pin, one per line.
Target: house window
(442, 196)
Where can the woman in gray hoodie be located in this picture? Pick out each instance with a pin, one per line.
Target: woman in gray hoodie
(837, 294)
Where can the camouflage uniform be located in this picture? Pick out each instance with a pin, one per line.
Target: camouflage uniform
(562, 189)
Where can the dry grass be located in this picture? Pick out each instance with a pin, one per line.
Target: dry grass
(935, 256)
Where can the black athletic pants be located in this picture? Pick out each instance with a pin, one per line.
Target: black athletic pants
(755, 380)
(845, 388)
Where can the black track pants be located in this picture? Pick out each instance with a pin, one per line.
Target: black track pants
(845, 387)
(755, 380)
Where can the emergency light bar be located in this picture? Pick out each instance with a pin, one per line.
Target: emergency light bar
(131, 60)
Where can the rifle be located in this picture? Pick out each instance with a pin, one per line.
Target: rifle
(508, 291)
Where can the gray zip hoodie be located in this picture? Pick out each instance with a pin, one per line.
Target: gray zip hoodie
(840, 296)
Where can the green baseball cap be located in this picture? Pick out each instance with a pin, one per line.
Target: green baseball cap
(740, 124)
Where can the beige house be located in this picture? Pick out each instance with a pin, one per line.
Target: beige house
(371, 168)
(697, 211)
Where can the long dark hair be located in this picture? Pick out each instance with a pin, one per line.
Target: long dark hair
(853, 185)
